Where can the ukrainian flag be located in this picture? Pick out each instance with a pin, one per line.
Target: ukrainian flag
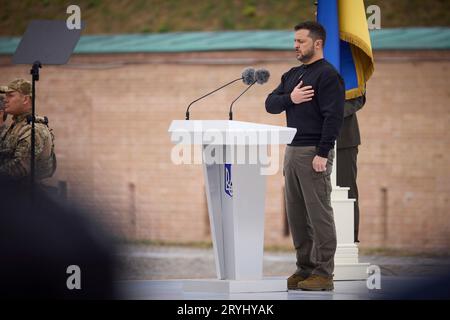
(348, 45)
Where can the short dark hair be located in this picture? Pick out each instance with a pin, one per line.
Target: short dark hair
(316, 30)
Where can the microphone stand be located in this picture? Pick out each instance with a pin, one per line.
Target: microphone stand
(231, 106)
(35, 77)
(187, 110)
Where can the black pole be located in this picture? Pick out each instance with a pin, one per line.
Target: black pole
(230, 114)
(35, 77)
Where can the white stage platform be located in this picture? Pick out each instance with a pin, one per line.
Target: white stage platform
(393, 287)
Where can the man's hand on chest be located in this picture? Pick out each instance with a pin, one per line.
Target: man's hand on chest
(302, 93)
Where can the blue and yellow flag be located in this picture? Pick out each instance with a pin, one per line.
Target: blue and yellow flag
(348, 45)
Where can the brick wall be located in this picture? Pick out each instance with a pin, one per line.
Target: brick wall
(110, 115)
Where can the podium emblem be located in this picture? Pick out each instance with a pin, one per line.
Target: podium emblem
(227, 181)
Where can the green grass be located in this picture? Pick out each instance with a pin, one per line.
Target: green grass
(136, 16)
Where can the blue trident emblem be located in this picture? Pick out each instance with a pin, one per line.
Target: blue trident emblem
(227, 180)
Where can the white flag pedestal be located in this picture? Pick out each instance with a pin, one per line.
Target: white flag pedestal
(346, 259)
(234, 157)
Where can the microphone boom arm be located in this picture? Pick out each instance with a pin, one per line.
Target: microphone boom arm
(187, 110)
(231, 106)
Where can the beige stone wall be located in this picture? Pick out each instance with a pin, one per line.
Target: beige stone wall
(110, 114)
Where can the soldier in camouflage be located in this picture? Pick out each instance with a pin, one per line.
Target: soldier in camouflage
(15, 138)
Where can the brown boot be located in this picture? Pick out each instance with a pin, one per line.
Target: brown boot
(317, 283)
(293, 281)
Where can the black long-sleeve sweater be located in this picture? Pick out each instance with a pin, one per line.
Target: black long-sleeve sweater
(317, 121)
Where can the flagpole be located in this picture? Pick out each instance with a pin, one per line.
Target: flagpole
(334, 168)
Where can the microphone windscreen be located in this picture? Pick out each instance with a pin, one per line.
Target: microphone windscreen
(262, 76)
(248, 76)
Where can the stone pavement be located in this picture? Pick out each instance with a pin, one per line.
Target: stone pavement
(140, 262)
(144, 271)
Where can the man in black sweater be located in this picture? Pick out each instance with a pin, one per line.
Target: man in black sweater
(312, 95)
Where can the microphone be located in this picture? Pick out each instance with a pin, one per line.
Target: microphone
(261, 77)
(248, 76)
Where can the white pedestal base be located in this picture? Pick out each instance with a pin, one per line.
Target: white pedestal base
(350, 271)
(346, 261)
(235, 286)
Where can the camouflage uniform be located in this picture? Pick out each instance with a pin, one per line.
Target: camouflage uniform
(15, 143)
(2, 106)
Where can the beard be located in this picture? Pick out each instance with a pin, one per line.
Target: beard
(306, 57)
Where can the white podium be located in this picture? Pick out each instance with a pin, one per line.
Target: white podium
(234, 165)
